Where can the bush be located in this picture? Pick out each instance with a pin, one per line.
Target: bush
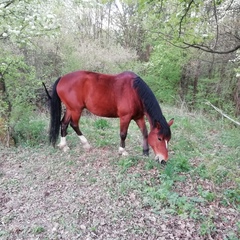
(29, 130)
(20, 83)
(164, 72)
(93, 56)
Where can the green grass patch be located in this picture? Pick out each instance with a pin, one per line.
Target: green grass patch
(127, 162)
(101, 124)
(38, 229)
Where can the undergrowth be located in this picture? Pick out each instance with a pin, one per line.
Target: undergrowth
(203, 152)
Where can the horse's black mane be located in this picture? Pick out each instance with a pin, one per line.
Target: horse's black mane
(151, 106)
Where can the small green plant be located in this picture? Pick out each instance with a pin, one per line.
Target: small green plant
(182, 164)
(206, 194)
(201, 170)
(185, 206)
(126, 163)
(176, 165)
(70, 163)
(101, 124)
(231, 236)
(207, 227)
(93, 229)
(168, 171)
(150, 164)
(231, 196)
(102, 141)
(38, 230)
(92, 180)
(3, 233)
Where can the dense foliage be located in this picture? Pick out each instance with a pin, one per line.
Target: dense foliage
(188, 51)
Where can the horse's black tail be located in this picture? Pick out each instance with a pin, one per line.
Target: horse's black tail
(55, 114)
(49, 97)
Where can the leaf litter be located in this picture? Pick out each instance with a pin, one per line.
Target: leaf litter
(46, 194)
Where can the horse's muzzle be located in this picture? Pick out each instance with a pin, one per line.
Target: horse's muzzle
(163, 162)
(160, 159)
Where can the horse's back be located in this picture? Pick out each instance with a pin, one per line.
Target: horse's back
(102, 94)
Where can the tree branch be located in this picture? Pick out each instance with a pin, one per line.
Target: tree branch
(8, 3)
(210, 50)
(223, 114)
(230, 4)
(196, 46)
(184, 16)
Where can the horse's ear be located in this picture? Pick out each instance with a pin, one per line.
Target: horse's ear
(170, 122)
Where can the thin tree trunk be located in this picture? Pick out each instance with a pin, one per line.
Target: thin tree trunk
(237, 98)
(5, 107)
(195, 82)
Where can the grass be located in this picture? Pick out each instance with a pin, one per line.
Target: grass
(202, 173)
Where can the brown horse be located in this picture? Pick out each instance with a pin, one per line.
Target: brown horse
(125, 96)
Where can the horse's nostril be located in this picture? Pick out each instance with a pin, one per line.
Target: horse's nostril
(163, 162)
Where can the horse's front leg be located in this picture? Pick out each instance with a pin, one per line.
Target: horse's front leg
(142, 125)
(124, 123)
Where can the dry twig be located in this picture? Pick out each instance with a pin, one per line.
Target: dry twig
(223, 114)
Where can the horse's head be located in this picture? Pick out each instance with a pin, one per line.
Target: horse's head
(159, 142)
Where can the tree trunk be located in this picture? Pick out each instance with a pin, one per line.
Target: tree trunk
(237, 98)
(195, 82)
(5, 107)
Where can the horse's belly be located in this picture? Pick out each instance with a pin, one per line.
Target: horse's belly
(103, 110)
(113, 104)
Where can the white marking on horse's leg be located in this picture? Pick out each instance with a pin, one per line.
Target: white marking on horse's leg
(63, 144)
(122, 151)
(85, 143)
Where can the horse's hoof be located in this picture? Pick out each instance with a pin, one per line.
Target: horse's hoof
(65, 148)
(122, 151)
(87, 146)
(125, 153)
(146, 153)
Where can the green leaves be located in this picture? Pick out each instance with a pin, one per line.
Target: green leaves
(23, 20)
(165, 66)
(20, 83)
(197, 24)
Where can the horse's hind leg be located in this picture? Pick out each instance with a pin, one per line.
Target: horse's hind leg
(75, 125)
(64, 125)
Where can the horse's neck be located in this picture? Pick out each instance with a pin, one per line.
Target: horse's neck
(150, 121)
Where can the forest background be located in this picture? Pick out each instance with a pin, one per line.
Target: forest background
(186, 50)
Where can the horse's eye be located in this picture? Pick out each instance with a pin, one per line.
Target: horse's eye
(160, 139)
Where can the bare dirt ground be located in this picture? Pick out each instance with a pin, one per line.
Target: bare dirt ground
(47, 194)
